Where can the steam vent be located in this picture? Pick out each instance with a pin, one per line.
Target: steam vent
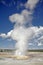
(22, 57)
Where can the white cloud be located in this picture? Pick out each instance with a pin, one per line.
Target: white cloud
(38, 37)
(3, 35)
(40, 44)
(9, 33)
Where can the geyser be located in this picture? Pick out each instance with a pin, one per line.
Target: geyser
(21, 33)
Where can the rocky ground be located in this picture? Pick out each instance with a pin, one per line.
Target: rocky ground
(36, 58)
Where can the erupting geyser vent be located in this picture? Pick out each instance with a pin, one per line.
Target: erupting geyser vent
(22, 32)
(20, 55)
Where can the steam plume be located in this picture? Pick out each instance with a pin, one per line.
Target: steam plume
(20, 33)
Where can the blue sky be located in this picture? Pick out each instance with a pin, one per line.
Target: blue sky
(9, 7)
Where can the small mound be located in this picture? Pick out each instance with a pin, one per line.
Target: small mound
(20, 57)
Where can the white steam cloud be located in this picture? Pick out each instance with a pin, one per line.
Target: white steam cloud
(22, 18)
(31, 4)
(22, 36)
(20, 33)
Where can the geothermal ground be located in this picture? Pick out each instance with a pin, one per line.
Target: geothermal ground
(35, 58)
